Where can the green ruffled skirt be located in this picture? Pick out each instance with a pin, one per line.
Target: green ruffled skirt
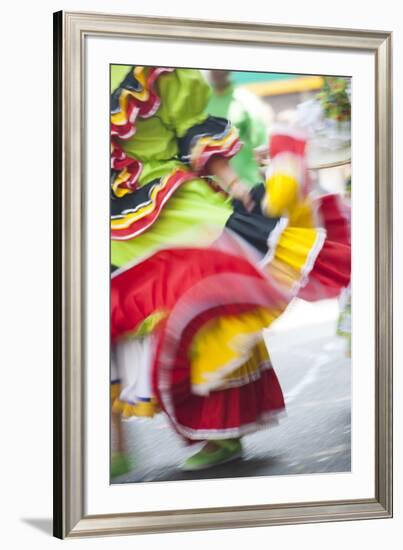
(194, 216)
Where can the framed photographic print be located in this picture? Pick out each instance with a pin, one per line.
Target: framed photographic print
(223, 275)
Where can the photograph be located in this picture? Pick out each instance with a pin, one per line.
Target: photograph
(230, 252)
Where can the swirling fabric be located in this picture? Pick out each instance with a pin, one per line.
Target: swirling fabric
(198, 277)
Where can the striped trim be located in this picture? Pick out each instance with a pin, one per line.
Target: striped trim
(135, 97)
(132, 222)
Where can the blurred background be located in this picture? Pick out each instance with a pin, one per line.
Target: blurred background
(281, 92)
(256, 102)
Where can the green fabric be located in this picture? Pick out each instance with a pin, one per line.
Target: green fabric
(152, 140)
(118, 74)
(155, 169)
(228, 449)
(184, 95)
(242, 109)
(194, 214)
(148, 325)
(121, 464)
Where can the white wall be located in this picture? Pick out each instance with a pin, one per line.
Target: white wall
(26, 445)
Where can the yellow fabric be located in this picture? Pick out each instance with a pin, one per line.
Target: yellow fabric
(301, 214)
(258, 354)
(115, 390)
(281, 193)
(143, 409)
(118, 406)
(121, 117)
(223, 345)
(123, 176)
(283, 197)
(293, 253)
(126, 410)
(294, 245)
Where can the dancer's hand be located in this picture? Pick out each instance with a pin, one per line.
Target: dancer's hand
(239, 190)
(261, 155)
(229, 181)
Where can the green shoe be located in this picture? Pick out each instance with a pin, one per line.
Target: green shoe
(228, 449)
(120, 464)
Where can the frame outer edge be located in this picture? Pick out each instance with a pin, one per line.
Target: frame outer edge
(58, 485)
(73, 252)
(70, 520)
(231, 518)
(384, 276)
(225, 31)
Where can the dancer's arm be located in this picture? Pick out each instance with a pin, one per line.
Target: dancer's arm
(229, 181)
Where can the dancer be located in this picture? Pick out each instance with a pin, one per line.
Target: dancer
(198, 276)
(249, 114)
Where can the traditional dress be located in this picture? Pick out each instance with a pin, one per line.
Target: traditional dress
(289, 195)
(197, 276)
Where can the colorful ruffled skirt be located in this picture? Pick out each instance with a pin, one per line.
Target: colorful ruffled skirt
(189, 303)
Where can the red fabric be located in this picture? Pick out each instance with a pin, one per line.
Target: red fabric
(332, 270)
(250, 404)
(123, 131)
(330, 274)
(221, 409)
(159, 281)
(209, 151)
(281, 143)
(335, 215)
(136, 107)
(119, 161)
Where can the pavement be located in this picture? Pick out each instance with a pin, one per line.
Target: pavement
(314, 436)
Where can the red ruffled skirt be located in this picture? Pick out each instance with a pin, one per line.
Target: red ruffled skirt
(211, 372)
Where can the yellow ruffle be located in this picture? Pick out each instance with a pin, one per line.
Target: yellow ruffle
(281, 193)
(247, 371)
(121, 117)
(301, 214)
(223, 347)
(144, 409)
(292, 256)
(115, 390)
(122, 177)
(283, 197)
